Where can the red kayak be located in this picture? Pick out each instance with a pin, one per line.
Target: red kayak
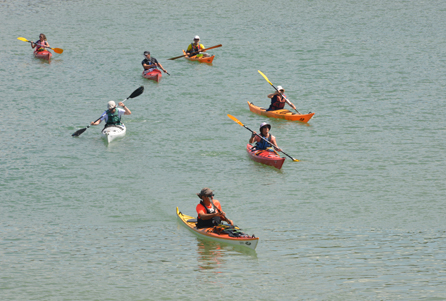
(265, 156)
(45, 54)
(153, 75)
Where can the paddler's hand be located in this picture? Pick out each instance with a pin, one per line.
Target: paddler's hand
(121, 104)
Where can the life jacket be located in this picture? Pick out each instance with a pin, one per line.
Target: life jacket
(149, 62)
(195, 48)
(113, 118)
(276, 104)
(39, 45)
(262, 144)
(209, 222)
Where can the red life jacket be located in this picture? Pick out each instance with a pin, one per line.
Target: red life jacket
(276, 104)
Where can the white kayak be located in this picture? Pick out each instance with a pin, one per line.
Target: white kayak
(110, 133)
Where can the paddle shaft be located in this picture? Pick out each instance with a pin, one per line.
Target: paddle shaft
(192, 54)
(211, 199)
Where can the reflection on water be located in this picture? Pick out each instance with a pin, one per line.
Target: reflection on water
(211, 254)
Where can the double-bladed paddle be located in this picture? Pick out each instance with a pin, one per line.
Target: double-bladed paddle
(238, 121)
(192, 54)
(286, 99)
(56, 50)
(135, 93)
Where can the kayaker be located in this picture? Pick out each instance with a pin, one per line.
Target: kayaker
(264, 132)
(150, 63)
(195, 47)
(209, 210)
(278, 100)
(112, 115)
(41, 44)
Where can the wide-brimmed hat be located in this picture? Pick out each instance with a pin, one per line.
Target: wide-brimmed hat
(205, 192)
(111, 105)
(280, 88)
(265, 124)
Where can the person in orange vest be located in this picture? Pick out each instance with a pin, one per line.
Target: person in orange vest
(209, 210)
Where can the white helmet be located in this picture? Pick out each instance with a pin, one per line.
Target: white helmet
(280, 88)
(111, 105)
(196, 38)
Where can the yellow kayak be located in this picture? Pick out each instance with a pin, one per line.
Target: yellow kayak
(209, 233)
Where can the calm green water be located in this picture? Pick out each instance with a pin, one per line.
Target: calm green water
(360, 217)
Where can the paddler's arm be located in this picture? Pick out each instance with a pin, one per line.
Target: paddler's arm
(99, 120)
(127, 111)
(272, 94)
(274, 143)
(224, 218)
(290, 103)
(96, 122)
(161, 66)
(149, 66)
(253, 137)
(206, 216)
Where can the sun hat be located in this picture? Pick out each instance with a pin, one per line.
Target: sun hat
(111, 105)
(280, 88)
(264, 124)
(205, 192)
(146, 52)
(196, 38)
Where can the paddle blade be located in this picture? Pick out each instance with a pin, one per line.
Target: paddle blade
(22, 39)
(57, 50)
(137, 92)
(235, 119)
(264, 76)
(79, 132)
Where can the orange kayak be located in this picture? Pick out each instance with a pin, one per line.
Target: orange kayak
(200, 59)
(267, 157)
(153, 75)
(283, 114)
